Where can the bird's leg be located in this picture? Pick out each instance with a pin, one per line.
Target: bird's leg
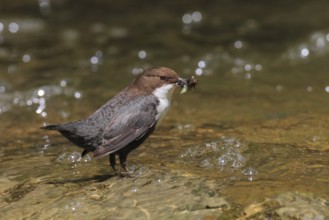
(112, 162)
(123, 163)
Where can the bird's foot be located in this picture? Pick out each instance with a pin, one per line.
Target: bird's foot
(125, 173)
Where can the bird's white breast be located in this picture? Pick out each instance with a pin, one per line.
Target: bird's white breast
(164, 94)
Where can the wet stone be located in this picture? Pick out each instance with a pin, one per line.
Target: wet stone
(95, 196)
(154, 194)
(18, 191)
(289, 206)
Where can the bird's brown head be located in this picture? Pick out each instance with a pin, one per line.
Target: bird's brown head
(154, 78)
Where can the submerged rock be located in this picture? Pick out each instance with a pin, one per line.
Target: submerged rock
(156, 194)
(289, 206)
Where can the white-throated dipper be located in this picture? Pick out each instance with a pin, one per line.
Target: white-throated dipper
(124, 122)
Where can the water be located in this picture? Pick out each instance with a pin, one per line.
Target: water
(251, 141)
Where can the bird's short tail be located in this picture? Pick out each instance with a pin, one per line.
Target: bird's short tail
(51, 127)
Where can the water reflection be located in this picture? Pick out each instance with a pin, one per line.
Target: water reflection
(222, 154)
(250, 172)
(13, 27)
(45, 7)
(35, 98)
(190, 19)
(316, 45)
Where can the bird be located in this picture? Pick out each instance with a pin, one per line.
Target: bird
(127, 120)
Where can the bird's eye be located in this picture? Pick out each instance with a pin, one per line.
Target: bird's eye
(164, 78)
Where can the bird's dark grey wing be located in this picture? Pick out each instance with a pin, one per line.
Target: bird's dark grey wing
(130, 124)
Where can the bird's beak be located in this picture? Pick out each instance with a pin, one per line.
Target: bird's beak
(186, 84)
(181, 82)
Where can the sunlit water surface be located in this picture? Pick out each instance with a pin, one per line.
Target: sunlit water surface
(251, 141)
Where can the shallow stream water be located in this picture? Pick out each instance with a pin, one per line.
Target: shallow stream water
(251, 142)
